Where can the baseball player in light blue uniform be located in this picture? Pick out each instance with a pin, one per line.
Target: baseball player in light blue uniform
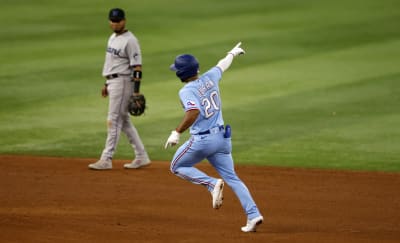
(210, 138)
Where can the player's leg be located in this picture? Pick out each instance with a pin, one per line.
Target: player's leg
(114, 125)
(127, 127)
(114, 119)
(140, 155)
(187, 155)
(134, 139)
(222, 161)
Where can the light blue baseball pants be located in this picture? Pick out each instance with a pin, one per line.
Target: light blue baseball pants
(217, 150)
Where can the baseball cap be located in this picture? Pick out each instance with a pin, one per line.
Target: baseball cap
(116, 15)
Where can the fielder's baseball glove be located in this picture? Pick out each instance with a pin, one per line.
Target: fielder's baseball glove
(137, 105)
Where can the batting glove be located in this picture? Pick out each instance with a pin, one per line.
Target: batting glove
(173, 139)
(237, 50)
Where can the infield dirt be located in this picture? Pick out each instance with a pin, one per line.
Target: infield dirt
(60, 200)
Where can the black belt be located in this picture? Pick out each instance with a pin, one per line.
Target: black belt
(208, 131)
(112, 76)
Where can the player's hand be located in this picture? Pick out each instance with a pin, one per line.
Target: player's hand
(104, 91)
(173, 139)
(237, 50)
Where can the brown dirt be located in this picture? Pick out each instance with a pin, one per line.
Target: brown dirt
(60, 200)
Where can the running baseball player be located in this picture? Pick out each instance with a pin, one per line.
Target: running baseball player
(210, 139)
(123, 72)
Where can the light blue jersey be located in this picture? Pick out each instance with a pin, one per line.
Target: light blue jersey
(208, 140)
(203, 95)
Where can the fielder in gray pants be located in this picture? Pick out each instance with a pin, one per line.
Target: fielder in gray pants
(123, 72)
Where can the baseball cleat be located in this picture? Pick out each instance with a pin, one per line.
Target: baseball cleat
(101, 165)
(137, 163)
(252, 224)
(217, 194)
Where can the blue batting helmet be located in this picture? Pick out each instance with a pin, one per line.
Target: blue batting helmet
(185, 66)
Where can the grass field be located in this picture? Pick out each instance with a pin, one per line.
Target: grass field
(319, 85)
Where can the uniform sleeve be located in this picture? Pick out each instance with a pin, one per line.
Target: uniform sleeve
(133, 51)
(189, 100)
(214, 74)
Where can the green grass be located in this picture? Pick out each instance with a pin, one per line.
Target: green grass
(318, 87)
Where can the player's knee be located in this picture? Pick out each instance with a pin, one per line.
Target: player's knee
(112, 119)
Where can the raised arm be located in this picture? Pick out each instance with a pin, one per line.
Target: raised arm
(226, 62)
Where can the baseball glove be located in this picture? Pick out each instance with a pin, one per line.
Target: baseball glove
(137, 105)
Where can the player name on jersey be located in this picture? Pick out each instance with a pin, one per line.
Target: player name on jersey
(206, 86)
